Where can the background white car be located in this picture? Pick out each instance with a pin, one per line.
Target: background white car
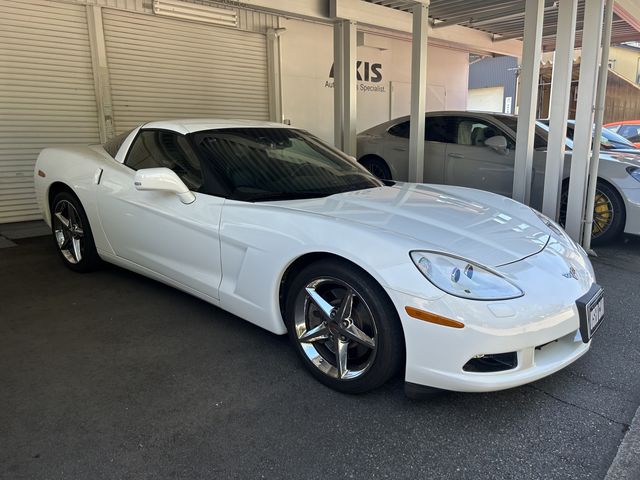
(475, 149)
(462, 289)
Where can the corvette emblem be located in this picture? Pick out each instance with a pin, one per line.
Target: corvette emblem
(572, 273)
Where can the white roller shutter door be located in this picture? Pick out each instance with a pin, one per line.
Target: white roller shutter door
(162, 68)
(47, 95)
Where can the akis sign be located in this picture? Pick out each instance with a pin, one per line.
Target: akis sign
(372, 71)
(365, 72)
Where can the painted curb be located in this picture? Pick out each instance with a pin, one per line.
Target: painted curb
(626, 465)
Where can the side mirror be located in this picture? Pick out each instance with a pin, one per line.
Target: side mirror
(497, 143)
(164, 180)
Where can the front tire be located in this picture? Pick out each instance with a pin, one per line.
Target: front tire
(72, 233)
(609, 215)
(344, 327)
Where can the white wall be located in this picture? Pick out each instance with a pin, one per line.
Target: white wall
(487, 99)
(307, 56)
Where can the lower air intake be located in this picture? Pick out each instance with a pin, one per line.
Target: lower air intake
(496, 362)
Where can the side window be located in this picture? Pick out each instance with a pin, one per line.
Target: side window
(161, 148)
(401, 129)
(473, 132)
(439, 129)
(628, 131)
(616, 129)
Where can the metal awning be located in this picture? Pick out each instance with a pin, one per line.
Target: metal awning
(504, 19)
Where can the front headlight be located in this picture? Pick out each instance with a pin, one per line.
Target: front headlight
(634, 172)
(464, 278)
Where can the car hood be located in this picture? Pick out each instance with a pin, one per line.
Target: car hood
(630, 157)
(490, 229)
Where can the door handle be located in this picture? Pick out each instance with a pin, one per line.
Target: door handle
(400, 149)
(455, 155)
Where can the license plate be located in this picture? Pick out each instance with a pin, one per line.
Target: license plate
(591, 311)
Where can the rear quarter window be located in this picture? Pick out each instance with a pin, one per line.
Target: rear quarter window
(113, 145)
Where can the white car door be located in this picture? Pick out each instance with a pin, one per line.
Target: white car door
(154, 229)
(470, 163)
(396, 152)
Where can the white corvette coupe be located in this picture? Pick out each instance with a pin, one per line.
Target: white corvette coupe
(461, 289)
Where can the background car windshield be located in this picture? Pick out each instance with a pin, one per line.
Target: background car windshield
(278, 164)
(617, 141)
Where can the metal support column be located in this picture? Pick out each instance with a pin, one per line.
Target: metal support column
(593, 11)
(418, 91)
(559, 106)
(349, 59)
(274, 68)
(599, 114)
(338, 84)
(100, 67)
(529, 78)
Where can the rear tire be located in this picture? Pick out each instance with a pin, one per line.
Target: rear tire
(377, 166)
(343, 327)
(72, 233)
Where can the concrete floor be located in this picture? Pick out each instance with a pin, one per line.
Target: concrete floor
(111, 375)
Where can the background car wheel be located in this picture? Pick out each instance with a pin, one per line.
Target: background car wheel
(344, 327)
(377, 166)
(608, 213)
(72, 233)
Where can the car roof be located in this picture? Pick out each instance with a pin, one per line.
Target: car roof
(191, 125)
(625, 122)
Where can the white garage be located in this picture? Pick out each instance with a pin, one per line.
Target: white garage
(73, 72)
(46, 93)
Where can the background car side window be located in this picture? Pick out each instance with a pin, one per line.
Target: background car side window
(161, 148)
(631, 132)
(473, 132)
(401, 129)
(439, 129)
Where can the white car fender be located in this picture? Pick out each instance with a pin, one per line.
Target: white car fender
(79, 168)
(258, 245)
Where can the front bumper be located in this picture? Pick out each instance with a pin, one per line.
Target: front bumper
(632, 205)
(542, 328)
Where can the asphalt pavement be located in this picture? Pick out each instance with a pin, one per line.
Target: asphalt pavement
(112, 375)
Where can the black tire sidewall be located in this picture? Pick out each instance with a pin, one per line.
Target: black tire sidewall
(90, 259)
(390, 339)
(367, 162)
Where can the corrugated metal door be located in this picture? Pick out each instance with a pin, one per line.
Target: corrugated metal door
(163, 68)
(46, 93)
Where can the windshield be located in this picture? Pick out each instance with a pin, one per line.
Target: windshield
(260, 164)
(608, 139)
(511, 121)
(541, 125)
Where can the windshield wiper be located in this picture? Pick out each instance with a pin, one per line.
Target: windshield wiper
(267, 196)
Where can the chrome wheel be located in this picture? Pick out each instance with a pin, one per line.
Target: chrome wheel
(335, 328)
(68, 231)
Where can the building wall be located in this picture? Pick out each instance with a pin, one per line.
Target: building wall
(625, 62)
(496, 72)
(307, 57)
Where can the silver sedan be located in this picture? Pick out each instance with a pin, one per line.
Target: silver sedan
(477, 149)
